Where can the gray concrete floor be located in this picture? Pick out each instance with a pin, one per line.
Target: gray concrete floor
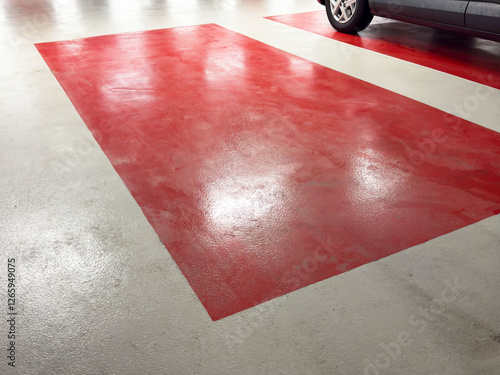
(97, 292)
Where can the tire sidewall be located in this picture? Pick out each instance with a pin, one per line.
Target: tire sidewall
(352, 25)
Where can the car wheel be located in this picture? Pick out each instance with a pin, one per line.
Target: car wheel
(348, 16)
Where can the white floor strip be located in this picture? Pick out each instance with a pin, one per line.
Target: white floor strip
(463, 98)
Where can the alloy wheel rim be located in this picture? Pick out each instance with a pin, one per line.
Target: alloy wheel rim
(343, 10)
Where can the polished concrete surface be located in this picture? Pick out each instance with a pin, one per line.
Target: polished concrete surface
(97, 291)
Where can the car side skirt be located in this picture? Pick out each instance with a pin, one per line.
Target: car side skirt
(437, 25)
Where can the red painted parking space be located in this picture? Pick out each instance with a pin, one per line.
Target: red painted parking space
(474, 59)
(262, 172)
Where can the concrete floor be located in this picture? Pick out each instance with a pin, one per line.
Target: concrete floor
(98, 293)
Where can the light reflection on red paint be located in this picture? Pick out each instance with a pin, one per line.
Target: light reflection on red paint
(467, 57)
(245, 159)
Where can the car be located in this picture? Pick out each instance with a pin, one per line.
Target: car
(480, 18)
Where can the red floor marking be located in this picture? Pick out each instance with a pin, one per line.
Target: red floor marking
(474, 59)
(263, 172)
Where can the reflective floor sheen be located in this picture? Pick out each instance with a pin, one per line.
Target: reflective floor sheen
(467, 57)
(245, 159)
(190, 187)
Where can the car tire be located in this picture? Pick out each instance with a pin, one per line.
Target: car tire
(348, 16)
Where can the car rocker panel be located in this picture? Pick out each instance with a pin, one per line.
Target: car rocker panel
(475, 18)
